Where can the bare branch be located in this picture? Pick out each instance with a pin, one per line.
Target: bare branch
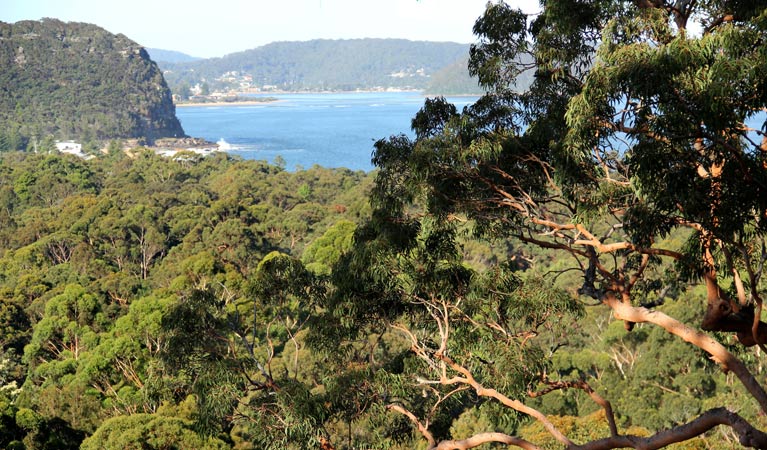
(580, 384)
(422, 428)
(516, 405)
(484, 438)
(747, 434)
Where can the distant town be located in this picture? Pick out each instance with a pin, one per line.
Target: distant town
(234, 87)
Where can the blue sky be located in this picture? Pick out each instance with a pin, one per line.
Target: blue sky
(216, 28)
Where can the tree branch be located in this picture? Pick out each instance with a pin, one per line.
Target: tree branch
(748, 436)
(422, 428)
(580, 384)
(717, 351)
(484, 438)
(516, 405)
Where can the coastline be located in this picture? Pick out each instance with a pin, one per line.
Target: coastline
(239, 103)
(273, 100)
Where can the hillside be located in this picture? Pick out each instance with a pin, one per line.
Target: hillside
(337, 65)
(78, 81)
(453, 79)
(456, 80)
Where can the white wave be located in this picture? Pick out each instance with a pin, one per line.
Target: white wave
(223, 145)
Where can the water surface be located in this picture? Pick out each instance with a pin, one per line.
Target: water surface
(331, 130)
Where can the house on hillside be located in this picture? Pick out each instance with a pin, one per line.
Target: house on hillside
(71, 147)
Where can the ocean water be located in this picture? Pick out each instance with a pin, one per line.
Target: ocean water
(330, 130)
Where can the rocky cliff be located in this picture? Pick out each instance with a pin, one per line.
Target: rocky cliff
(78, 81)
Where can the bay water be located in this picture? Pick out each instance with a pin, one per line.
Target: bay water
(330, 130)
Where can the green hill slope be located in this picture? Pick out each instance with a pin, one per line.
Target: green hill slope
(78, 81)
(456, 80)
(322, 65)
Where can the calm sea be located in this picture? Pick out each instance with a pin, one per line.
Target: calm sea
(331, 130)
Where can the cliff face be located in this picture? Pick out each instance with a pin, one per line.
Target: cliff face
(78, 81)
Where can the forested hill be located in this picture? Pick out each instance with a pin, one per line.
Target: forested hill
(78, 81)
(323, 65)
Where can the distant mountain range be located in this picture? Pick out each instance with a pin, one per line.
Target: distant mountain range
(325, 65)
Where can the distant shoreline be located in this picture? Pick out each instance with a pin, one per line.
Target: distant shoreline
(224, 103)
(266, 100)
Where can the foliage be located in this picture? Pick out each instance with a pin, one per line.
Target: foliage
(326, 250)
(101, 256)
(633, 133)
(149, 432)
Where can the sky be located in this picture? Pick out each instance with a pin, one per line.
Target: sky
(216, 28)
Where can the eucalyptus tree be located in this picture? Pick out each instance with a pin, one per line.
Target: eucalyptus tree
(645, 120)
(242, 358)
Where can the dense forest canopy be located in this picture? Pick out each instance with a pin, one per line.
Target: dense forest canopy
(77, 81)
(97, 256)
(578, 265)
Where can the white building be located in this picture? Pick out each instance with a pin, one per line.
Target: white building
(70, 147)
